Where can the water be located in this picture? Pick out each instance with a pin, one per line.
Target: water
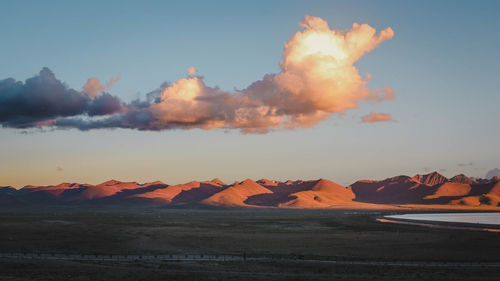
(475, 218)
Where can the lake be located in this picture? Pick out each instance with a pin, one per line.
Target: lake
(473, 218)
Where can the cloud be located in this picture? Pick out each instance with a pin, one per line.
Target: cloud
(376, 117)
(191, 71)
(40, 98)
(383, 93)
(317, 79)
(465, 164)
(493, 173)
(43, 98)
(104, 104)
(93, 86)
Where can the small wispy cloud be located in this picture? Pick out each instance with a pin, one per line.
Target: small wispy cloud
(377, 117)
(93, 87)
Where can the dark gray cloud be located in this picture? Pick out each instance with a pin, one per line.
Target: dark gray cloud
(42, 99)
(133, 119)
(104, 104)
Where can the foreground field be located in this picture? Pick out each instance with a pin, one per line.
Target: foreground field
(68, 270)
(286, 236)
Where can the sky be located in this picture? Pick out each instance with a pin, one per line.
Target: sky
(440, 59)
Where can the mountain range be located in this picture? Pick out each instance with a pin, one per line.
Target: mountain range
(420, 191)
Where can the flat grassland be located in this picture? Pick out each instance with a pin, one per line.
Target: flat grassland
(287, 236)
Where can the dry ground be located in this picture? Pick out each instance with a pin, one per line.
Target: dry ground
(260, 233)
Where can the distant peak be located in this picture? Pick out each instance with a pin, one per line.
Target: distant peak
(248, 181)
(155, 183)
(325, 182)
(267, 182)
(434, 174)
(191, 183)
(218, 181)
(461, 178)
(430, 179)
(417, 177)
(111, 182)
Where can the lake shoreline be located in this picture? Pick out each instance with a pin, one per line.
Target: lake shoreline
(440, 224)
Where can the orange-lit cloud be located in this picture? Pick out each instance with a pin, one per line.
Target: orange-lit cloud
(191, 71)
(376, 117)
(93, 87)
(382, 94)
(317, 79)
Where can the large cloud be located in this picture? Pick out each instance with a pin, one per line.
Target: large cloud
(317, 79)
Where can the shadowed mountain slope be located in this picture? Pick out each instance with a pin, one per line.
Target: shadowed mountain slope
(431, 179)
(190, 192)
(323, 194)
(280, 192)
(237, 194)
(396, 190)
(462, 179)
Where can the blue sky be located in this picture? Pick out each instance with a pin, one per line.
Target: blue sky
(442, 62)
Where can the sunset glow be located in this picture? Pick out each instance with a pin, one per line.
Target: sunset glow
(249, 140)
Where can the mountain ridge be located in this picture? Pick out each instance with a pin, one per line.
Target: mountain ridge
(429, 190)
